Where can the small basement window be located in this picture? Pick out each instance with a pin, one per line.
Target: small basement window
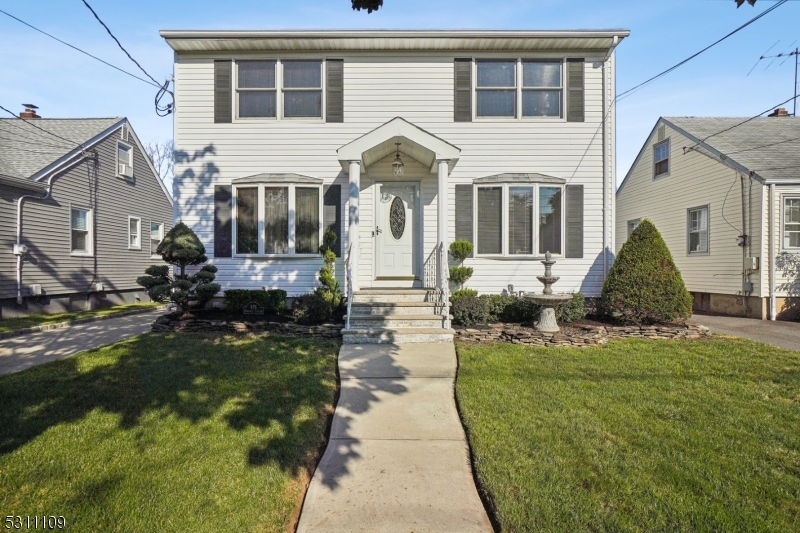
(661, 159)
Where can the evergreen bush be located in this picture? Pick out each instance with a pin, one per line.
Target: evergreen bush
(469, 310)
(310, 309)
(273, 300)
(329, 289)
(460, 250)
(644, 286)
(460, 293)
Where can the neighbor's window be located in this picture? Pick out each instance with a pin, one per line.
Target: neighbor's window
(490, 220)
(791, 223)
(156, 236)
(302, 89)
(134, 233)
(633, 224)
(661, 158)
(532, 223)
(124, 160)
(81, 227)
(497, 89)
(541, 89)
(698, 230)
(278, 220)
(255, 89)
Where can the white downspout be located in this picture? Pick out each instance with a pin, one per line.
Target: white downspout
(772, 244)
(20, 202)
(607, 173)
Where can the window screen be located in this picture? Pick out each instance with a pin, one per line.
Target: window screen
(256, 89)
(496, 90)
(302, 89)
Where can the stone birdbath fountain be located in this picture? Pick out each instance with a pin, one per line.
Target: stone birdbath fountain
(547, 300)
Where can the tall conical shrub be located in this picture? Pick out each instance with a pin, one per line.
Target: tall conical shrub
(644, 286)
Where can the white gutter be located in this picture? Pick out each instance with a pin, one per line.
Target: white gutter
(365, 34)
(607, 173)
(772, 243)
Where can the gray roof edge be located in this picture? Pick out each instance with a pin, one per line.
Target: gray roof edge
(22, 183)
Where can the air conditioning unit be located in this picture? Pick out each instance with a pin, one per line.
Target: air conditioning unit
(125, 170)
(98, 287)
(35, 289)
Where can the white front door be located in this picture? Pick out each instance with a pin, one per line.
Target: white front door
(396, 232)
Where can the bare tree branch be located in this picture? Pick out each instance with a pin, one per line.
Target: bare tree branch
(162, 155)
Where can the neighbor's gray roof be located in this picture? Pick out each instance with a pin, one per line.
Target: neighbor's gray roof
(768, 146)
(25, 150)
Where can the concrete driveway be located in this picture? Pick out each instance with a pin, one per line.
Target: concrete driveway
(778, 333)
(25, 351)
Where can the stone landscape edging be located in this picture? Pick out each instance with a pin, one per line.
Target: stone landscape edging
(70, 323)
(581, 336)
(170, 324)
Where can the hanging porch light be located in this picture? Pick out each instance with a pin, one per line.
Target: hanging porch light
(397, 165)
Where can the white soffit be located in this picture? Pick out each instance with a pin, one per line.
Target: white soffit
(415, 142)
(390, 40)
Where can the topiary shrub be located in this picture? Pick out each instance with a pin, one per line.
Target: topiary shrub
(469, 310)
(644, 286)
(460, 293)
(310, 309)
(329, 289)
(460, 250)
(273, 300)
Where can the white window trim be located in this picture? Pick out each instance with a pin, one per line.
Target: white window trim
(518, 72)
(154, 255)
(130, 163)
(636, 221)
(707, 207)
(669, 159)
(261, 212)
(785, 197)
(279, 115)
(90, 234)
(138, 229)
(505, 218)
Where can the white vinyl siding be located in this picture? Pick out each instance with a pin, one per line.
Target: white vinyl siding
(697, 230)
(379, 87)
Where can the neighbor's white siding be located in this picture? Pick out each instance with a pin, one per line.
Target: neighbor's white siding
(695, 180)
(377, 88)
(787, 262)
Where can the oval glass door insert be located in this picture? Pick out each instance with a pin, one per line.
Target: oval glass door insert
(397, 217)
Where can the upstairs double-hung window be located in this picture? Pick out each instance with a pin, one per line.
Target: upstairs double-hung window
(262, 93)
(497, 89)
(255, 89)
(277, 219)
(302, 89)
(519, 88)
(541, 89)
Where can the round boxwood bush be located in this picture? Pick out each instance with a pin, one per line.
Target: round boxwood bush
(469, 310)
(310, 309)
(644, 286)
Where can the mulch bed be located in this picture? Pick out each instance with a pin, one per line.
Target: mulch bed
(218, 321)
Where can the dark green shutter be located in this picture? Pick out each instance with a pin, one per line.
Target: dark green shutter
(223, 110)
(332, 214)
(334, 94)
(575, 90)
(464, 213)
(463, 90)
(222, 221)
(574, 214)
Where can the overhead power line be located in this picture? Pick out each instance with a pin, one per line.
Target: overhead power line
(78, 49)
(161, 111)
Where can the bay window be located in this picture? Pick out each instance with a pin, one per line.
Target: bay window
(277, 219)
(519, 219)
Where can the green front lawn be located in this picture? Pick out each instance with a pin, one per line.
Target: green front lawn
(11, 324)
(637, 436)
(185, 432)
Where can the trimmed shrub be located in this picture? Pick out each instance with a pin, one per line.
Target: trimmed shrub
(273, 300)
(329, 289)
(571, 311)
(461, 250)
(469, 310)
(644, 286)
(310, 309)
(460, 275)
(460, 293)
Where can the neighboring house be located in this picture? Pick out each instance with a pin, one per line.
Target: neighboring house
(79, 220)
(400, 142)
(725, 195)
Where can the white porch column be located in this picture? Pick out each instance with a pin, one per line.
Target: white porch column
(442, 217)
(352, 227)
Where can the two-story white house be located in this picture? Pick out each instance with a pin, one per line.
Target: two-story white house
(400, 142)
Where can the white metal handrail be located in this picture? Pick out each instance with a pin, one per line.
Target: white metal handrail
(348, 274)
(445, 284)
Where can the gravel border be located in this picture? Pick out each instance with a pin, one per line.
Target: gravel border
(70, 323)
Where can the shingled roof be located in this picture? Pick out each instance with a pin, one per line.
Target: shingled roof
(25, 149)
(769, 147)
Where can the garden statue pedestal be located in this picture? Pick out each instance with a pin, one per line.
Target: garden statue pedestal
(547, 300)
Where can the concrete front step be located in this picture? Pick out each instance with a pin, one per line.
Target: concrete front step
(397, 335)
(395, 295)
(396, 321)
(395, 308)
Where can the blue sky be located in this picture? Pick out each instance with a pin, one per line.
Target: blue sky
(64, 83)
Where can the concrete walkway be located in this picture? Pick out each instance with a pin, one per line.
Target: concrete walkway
(25, 351)
(397, 460)
(778, 333)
